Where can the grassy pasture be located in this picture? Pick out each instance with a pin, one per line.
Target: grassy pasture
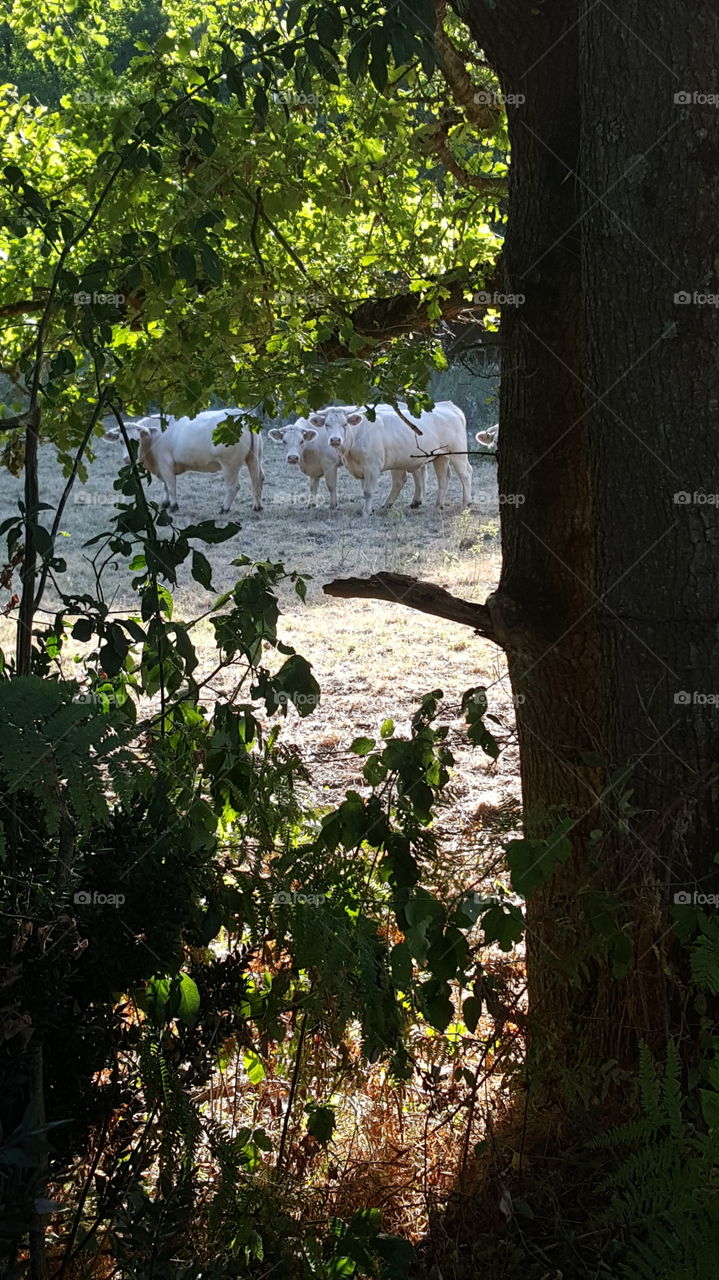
(372, 659)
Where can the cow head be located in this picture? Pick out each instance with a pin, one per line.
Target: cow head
(336, 423)
(294, 437)
(488, 437)
(144, 431)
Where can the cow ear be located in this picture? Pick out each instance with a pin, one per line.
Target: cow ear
(317, 419)
(144, 433)
(276, 434)
(354, 419)
(309, 433)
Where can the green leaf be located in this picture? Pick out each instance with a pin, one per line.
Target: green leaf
(358, 57)
(387, 728)
(236, 83)
(436, 1004)
(321, 1124)
(253, 1066)
(189, 1007)
(504, 924)
(375, 771)
(362, 746)
(184, 261)
(532, 862)
(378, 71)
(164, 999)
(202, 570)
(471, 1013)
(83, 630)
(211, 264)
(295, 683)
(400, 959)
(208, 531)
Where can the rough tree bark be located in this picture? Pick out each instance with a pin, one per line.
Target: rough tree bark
(608, 601)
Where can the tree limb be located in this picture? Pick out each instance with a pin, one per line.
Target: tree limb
(434, 141)
(399, 588)
(25, 307)
(22, 420)
(380, 319)
(466, 93)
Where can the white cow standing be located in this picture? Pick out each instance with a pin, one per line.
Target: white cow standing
(389, 444)
(187, 445)
(309, 448)
(489, 437)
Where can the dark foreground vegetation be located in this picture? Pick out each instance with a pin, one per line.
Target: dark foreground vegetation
(246, 1032)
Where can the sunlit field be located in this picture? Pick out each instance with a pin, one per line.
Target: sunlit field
(371, 659)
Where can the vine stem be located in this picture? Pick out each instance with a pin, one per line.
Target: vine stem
(293, 1094)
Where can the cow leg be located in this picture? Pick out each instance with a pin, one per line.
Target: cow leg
(169, 479)
(369, 484)
(398, 479)
(331, 482)
(232, 484)
(462, 468)
(441, 467)
(419, 479)
(257, 476)
(314, 486)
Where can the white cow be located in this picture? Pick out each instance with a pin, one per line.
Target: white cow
(489, 437)
(389, 444)
(309, 448)
(187, 445)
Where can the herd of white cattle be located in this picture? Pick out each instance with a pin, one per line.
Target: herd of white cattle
(318, 446)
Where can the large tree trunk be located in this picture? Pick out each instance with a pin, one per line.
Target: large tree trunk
(607, 605)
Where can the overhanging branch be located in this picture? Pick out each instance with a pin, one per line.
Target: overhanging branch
(26, 306)
(399, 588)
(22, 421)
(433, 140)
(381, 319)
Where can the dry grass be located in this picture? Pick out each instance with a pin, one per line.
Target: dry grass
(372, 659)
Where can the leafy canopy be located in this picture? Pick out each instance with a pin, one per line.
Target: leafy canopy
(203, 219)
